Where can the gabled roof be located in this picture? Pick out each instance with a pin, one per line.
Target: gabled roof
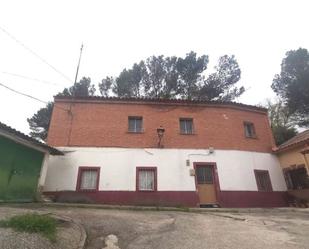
(300, 139)
(144, 100)
(10, 132)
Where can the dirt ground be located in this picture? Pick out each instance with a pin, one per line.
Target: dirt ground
(169, 229)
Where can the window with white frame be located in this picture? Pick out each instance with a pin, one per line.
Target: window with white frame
(146, 179)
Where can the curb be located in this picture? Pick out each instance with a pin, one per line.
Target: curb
(158, 208)
(180, 209)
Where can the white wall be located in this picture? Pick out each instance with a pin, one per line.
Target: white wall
(236, 170)
(43, 172)
(118, 168)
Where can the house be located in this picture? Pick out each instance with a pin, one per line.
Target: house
(23, 165)
(139, 151)
(294, 160)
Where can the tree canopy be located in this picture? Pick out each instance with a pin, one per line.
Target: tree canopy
(292, 84)
(79, 89)
(157, 77)
(281, 120)
(39, 122)
(176, 77)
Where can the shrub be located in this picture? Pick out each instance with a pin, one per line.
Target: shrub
(33, 223)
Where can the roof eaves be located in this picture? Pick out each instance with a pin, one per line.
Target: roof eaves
(158, 100)
(12, 132)
(292, 145)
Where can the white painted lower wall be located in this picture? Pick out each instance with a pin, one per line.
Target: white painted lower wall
(43, 172)
(118, 168)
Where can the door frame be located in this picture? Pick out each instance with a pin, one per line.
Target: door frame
(215, 176)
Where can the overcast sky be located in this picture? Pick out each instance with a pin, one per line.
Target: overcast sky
(118, 33)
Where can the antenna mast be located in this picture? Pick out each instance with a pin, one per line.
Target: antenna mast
(73, 95)
(80, 56)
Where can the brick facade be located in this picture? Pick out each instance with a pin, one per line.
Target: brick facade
(100, 122)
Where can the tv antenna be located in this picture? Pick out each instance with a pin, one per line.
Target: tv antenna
(80, 56)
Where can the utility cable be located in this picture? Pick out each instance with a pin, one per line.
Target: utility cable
(29, 96)
(35, 54)
(33, 79)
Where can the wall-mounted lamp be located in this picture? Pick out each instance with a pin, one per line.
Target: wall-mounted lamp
(160, 132)
(211, 150)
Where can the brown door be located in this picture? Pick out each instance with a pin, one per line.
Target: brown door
(205, 184)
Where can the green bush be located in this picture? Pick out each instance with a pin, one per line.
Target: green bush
(33, 223)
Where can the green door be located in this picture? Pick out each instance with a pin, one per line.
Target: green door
(20, 168)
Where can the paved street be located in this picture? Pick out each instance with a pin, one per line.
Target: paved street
(169, 229)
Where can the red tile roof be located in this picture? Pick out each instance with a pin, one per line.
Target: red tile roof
(300, 139)
(158, 101)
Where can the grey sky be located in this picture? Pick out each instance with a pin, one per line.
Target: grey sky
(118, 33)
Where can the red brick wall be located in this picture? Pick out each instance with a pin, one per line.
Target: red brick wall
(105, 124)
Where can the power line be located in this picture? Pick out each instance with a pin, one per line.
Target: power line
(24, 94)
(35, 54)
(29, 96)
(33, 79)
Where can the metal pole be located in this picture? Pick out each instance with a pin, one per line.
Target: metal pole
(73, 95)
(80, 56)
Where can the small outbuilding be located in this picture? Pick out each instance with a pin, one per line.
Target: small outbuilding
(294, 159)
(23, 165)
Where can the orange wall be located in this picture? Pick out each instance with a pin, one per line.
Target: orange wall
(101, 124)
(292, 157)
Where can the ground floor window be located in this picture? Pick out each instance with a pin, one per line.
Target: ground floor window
(263, 180)
(88, 178)
(146, 178)
(296, 178)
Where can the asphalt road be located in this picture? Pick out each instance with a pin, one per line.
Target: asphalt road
(168, 230)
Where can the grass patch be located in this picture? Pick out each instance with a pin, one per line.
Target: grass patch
(33, 223)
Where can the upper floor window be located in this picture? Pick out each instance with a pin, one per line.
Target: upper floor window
(249, 130)
(186, 125)
(135, 124)
(263, 180)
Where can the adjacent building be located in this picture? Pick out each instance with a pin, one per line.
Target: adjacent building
(133, 151)
(294, 159)
(23, 165)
